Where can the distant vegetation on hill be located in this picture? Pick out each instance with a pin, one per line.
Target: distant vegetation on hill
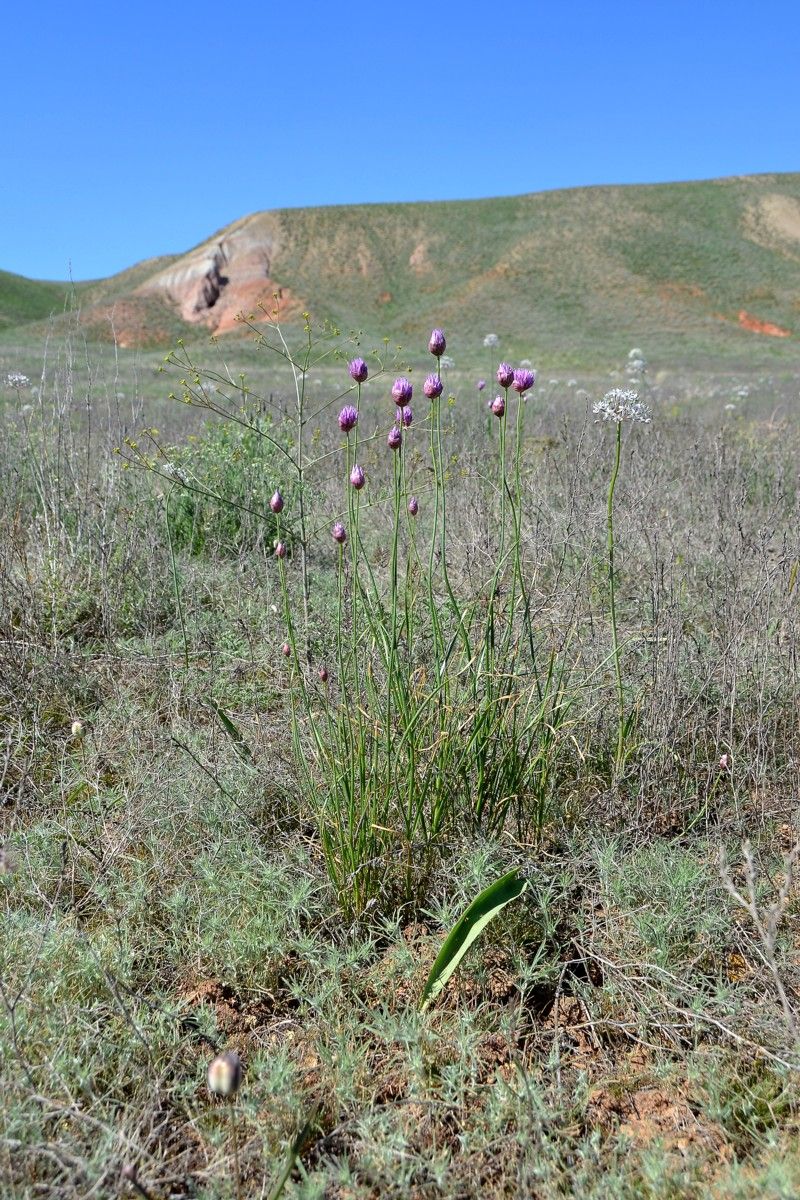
(700, 269)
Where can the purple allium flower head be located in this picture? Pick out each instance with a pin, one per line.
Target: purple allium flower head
(323, 673)
(432, 387)
(505, 375)
(437, 345)
(357, 477)
(280, 550)
(413, 506)
(286, 649)
(481, 384)
(276, 501)
(339, 533)
(358, 370)
(498, 406)
(395, 438)
(401, 391)
(523, 379)
(348, 418)
(405, 415)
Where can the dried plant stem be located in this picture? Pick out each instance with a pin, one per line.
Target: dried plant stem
(767, 919)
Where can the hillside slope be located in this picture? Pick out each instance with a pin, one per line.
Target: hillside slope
(710, 267)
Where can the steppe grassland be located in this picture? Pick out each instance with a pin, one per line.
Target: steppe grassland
(618, 1032)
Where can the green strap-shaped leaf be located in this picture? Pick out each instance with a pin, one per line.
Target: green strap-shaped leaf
(467, 928)
(236, 736)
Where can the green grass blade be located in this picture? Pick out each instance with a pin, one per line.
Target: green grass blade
(236, 736)
(468, 927)
(291, 1156)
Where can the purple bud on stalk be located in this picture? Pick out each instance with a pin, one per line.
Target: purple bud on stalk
(323, 674)
(405, 415)
(401, 391)
(505, 375)
(481, 384)
(358, 370)
(357, 477)
(280, 550)
(348, 418)
(432, 387)
(413, 506)
(286, 649)
(523, 380)
(276, 502)
(437, 345)
(394, 439)
(498, 406)
(339, 533)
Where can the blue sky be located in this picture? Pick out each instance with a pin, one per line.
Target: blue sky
(135, 130)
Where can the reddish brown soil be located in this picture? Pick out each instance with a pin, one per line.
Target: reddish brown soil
(748, 321)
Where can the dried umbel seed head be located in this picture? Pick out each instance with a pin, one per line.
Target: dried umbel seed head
(357, 477)
(437, 345)
(339, 533)
(286, 649)
(280, 550)
(401, 391)
(413, 506)
(395, 438)
(405, 415)
(323, 674)
(348, 418)
(523, 380)
(498, 406)
(505, 375)
(77, 729)
(433, 387)
(276, 501)
(225, 1074)
(358, 370)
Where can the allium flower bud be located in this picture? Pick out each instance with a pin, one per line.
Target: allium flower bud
(481, 384)
(401, 391)
(437, 345)
(523, 380)
(280, 550)
(358, 370)
(339, 533)
(413, 506)
(348, 418)
(498, 406)
(286, 649)
(323, 674)
(77, 729)
(276, 501)
(357, 477)
(394, 439)
(505, 375)
(225, 1074)
(432, 387)
(405, 415)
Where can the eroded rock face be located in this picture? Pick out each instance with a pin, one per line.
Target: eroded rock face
(216, 283)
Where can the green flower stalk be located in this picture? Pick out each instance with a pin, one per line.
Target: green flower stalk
(617, 406)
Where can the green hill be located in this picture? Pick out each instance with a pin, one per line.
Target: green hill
(702, 269)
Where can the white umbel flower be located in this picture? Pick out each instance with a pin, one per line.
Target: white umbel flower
(621, 404)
